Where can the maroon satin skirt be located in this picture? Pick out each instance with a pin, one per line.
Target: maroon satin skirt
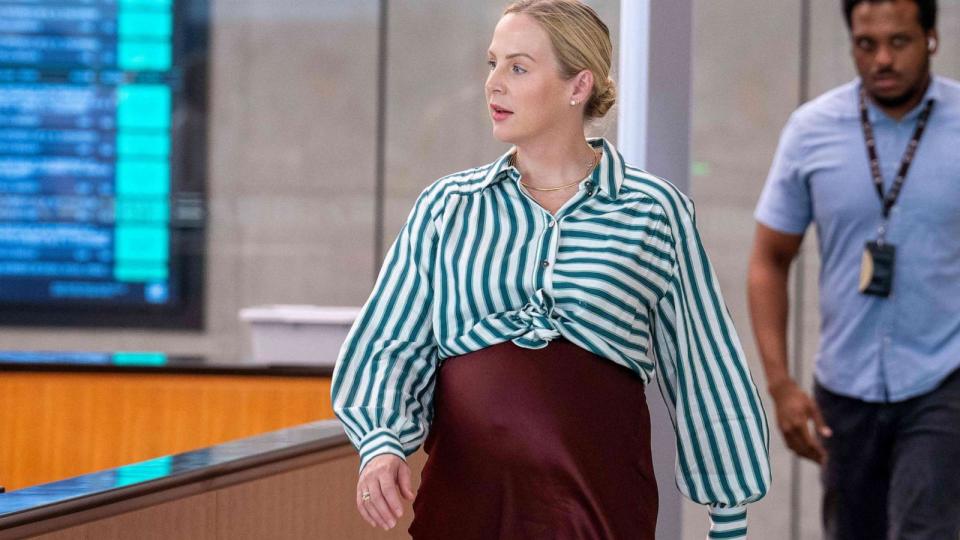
(528, 444)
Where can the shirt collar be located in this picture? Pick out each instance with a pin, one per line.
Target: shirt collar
(607, 176)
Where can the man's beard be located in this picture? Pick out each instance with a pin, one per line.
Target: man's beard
(896, 101)
(914, 91)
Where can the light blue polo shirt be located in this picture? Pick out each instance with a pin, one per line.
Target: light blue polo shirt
(871, 348)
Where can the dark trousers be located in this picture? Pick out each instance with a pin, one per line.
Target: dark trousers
(893, 469)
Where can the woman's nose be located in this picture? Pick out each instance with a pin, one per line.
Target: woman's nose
(493, 85)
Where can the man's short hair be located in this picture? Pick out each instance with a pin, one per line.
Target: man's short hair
(927, 11)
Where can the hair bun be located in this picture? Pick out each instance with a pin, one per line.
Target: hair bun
(602, 101)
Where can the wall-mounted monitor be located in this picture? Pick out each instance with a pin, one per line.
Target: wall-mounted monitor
(103, 118)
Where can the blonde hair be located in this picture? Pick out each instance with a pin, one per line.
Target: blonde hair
(580, 40)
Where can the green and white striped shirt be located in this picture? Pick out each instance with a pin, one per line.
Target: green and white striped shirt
(619, 270)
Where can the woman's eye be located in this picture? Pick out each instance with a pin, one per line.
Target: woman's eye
(491, 64)
(518, 69)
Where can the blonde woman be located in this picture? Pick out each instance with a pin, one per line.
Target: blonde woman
(521, 312)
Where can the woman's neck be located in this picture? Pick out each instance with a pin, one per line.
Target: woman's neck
(546, 164)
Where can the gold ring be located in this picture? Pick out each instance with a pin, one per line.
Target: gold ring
(365, 496)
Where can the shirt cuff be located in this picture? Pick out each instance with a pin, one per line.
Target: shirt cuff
(728, 522)
(378, 442)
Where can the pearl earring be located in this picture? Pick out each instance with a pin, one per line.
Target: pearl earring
(573, 103)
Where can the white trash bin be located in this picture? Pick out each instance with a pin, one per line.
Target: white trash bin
(298, 334)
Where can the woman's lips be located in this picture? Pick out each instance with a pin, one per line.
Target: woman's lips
(499, 113)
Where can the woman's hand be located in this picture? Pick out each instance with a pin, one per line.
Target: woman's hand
(382, 483)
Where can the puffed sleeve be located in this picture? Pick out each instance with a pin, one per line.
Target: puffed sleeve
(383, 382)
(721, 428)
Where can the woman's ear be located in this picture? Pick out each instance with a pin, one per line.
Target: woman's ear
(582, 86)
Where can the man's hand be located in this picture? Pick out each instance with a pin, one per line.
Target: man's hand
(795, 411)
(382, 483)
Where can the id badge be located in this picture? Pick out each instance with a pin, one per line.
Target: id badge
(876, 269)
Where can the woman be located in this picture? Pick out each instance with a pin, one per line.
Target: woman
(522, 310)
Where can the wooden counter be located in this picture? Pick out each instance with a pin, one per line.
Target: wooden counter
(60, 420)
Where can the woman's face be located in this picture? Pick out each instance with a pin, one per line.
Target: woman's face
(526, 96)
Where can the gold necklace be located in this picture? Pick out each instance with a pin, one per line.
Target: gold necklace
(590, 166)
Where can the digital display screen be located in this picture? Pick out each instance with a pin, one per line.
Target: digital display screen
(130, 358)
(102, 162)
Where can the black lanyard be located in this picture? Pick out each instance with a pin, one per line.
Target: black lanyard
(890, 198)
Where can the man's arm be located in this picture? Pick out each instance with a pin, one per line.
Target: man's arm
(773, 253)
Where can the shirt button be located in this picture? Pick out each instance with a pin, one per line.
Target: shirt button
(545, 264)
(551, 223)
(589, 184)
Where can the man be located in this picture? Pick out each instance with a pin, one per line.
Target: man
(874, 165)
